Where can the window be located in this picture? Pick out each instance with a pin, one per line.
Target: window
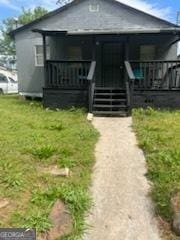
(3, 78)
(94, 7)
(147, 52)
(74, 53)
(39, 59)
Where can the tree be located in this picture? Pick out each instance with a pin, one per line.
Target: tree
(7, 45)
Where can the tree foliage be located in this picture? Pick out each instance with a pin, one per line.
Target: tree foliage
(7, 45)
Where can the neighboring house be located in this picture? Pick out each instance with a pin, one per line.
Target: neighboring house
(102, 54)
(8, 61)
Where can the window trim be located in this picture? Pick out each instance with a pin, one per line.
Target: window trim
(38, 54)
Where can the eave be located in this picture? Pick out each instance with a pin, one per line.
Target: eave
(48, 32)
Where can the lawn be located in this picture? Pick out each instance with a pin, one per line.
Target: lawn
(158, 133)
(32, 138)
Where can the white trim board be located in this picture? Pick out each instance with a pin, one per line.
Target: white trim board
(27, 94)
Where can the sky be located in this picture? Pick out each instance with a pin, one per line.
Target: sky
(166, 9)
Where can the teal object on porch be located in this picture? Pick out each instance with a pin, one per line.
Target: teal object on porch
(138, 74)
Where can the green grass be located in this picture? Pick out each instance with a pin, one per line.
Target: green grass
(31, 138)
(158, 133)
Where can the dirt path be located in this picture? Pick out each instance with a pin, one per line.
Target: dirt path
(122, 209)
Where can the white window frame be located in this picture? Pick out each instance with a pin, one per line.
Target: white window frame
(41, 54)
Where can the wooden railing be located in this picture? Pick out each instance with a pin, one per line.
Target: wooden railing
(67, 74)
(152, 75)
(91, 79)
(64, 74)
(130, 78)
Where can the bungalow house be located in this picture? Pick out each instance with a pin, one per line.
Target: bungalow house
(99, 54)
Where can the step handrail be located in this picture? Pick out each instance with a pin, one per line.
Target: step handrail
(129, 70)
(130, 78)
(91, 79)
(91, 71)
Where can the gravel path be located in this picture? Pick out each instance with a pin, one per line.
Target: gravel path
(122, 209)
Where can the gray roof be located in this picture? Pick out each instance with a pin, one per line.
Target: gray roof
(75, 2)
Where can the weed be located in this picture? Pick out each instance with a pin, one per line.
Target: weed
(56, 127)
(35, 219)
(43, 152)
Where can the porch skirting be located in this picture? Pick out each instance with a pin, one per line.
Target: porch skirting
(156, 98)
(65, 98)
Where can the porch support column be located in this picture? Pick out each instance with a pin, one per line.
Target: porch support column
(127, 49)
(94, 54)
(129, 84)
(126, 55)
(93, 79)
(94, 48)
(45, 58)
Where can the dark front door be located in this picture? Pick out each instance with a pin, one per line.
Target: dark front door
(112, 65)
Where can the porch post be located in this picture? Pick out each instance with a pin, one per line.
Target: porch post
(126, 54)
(94, 48)
(45, 58)
(92, 80)
(127, 49)
(94, 55)
(129, 84)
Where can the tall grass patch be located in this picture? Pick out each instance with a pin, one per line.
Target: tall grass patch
(158, 134)
(32, 138)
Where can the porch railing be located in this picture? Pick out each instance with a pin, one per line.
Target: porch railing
(154, 75)
(64, 74)
(67, 74)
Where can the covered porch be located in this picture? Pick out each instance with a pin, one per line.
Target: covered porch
(111, 71)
